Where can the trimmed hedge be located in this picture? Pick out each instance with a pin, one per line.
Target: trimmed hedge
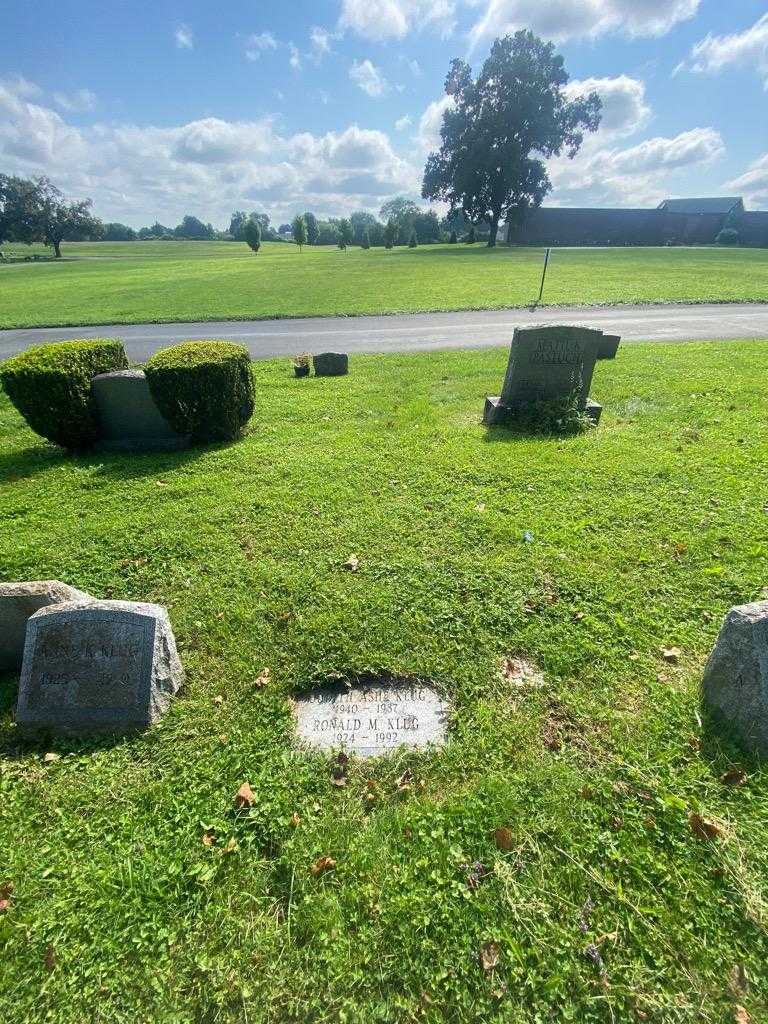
(203, 388)
(50, 385)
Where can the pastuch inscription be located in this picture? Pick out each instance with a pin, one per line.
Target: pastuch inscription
(372, 720)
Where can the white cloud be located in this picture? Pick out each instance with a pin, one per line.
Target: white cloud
(403, 122)
(700, 145)
(741, 49)
(393, 19)
(20, 86)
(569, 19)
(207, 167)
(255, 45)
(79, 102)
(753, 184)
(624, 107)
(369, 78)
(415, 68)
(295, 58)
(185, 40)
(430, 123)
(320, 42)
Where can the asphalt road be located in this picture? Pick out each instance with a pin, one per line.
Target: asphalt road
(418, 332)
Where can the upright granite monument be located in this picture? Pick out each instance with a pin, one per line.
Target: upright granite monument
(101, 666)
(129, 419)
(548, 364)
(735, 685)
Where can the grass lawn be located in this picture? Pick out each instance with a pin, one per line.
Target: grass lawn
(644, 532)
(166, 281)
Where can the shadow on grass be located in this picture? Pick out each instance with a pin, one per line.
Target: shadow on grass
(29, 462)
(721, 748)
(516, 432)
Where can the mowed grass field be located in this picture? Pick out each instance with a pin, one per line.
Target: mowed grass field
(600, 904)
(187, 281)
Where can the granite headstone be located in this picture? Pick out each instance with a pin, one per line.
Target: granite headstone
(18, 601)
(549, 363)
(331, 364)
(129, 419)
(735, 684)
(371, 720)
(103, 666)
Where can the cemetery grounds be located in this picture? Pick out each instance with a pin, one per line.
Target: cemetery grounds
(545, 866)
(137, 282)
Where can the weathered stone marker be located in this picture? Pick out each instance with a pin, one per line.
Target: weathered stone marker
(104, 666)
(18, 601)
(372, 720)
(550, 364)
(331, 364)
(129, 419)
(735, 685)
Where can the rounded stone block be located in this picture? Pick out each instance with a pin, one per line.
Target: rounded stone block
(19, 601)
(97, 667)
(331, 364)
(128, 416)
(735, 684)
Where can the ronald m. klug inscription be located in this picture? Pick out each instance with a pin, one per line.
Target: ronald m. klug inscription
(372, 720)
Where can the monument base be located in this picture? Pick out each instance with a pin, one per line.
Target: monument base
(496, 414)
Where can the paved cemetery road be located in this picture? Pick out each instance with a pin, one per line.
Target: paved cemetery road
(417, 332)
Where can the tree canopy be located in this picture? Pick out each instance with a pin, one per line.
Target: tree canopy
(502, 126)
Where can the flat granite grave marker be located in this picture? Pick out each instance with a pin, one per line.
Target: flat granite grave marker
(18, 601)
(371, 720)
(550, 364)
(331, 364)
(103, 666)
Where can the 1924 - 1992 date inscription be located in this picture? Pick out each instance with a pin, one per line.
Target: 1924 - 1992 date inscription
(372, 720)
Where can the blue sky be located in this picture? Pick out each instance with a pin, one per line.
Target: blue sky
(159, 109)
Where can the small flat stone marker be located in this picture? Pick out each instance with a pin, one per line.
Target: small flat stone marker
(104, 666)
(331, 364)
(735, 684)
(372, 720)
(18, 601)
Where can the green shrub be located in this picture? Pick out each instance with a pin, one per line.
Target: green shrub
(728, 236)
(50, 385)
(203, 388)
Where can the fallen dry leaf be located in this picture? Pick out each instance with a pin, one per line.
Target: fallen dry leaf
(6, 889)
(735, 776)
(218, 699)
(352, 564)
(230, 847)
(224, 739)
(738, 982)
(504, 839)
(50, 958)
(295, 820)
(208, 837)
(740, 1015)
(490, 954)
(322, 864)
(671, 654)
(262, 678)
(244, 796)
(704, 828)
(404, 782)
(481, 508)
(50, 757)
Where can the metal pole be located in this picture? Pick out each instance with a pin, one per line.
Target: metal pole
(543, 275)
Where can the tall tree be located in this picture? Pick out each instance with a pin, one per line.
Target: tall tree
(19, 207)
(192, 227)
(345, 233)
(299, 229)
(57, 220)
(403, 212)
(312, 229)
(237, 223)
(500, 127)
(252, 234)
(390, 234)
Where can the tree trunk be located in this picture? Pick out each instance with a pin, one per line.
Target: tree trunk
(494, 231)
(56, 249)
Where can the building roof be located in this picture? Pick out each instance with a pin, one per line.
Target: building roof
(717, 204)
